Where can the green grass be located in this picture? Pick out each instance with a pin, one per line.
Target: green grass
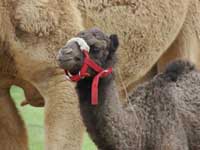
(34, 120)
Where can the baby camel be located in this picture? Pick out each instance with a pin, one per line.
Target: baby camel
(162, 114)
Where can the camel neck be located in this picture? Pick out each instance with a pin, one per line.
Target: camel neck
(107, 91)
(84, 88)
(106, 120)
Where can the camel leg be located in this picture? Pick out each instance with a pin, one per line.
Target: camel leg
(180, 50)
(12, 131)
(186, 46)
(174, 52)
(63, 125)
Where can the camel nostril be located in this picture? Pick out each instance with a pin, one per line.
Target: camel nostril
(66, 51)
(77, 58)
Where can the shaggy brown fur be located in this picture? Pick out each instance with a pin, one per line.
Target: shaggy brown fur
(162, 114)
(31, 31)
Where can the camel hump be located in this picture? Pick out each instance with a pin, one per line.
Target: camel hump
(178, 67)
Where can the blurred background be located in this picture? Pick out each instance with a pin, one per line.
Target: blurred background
(34, 120)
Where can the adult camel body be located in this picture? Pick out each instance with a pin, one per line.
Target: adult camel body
(32, 31)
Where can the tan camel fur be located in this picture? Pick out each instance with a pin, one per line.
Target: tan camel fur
(146, 30)
(32, 31)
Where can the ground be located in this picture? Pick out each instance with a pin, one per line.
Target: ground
(34, 119)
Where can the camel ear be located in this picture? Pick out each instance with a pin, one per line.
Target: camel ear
(114, 42)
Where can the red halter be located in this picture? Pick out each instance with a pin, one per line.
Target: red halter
(101, 73)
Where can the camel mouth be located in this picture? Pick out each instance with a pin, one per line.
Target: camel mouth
(64, 60)
(66, 64)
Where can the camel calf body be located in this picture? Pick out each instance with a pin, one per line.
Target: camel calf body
(161, 114)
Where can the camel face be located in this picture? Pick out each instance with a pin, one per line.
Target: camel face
(70, 57)
(101, 46)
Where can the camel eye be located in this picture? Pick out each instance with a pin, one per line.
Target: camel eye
(95, 49)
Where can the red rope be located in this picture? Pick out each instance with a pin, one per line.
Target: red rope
(101, 73)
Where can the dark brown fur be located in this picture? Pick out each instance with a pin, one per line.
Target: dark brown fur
(162, 114)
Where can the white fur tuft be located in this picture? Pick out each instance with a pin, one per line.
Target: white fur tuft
(81, 42)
